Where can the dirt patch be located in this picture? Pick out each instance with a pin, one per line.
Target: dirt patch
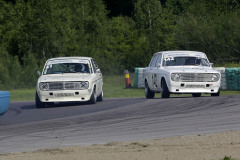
(199, 147)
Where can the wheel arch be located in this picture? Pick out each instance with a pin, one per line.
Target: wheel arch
(145, 81)
(163, 79)
(94, 87)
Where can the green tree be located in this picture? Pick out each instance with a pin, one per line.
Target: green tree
(211, 27)
(119, 45)
(154, 21)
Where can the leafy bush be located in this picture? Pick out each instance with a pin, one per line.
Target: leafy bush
(227, 158)
(33, 31)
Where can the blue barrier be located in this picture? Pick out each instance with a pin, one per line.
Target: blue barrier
(139, 77)
(4, 101)
(233, 78)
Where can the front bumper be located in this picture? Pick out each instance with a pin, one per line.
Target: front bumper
(65, 95)
(194, 87)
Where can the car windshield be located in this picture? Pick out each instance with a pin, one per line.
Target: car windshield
(185, 61)
(60, 68)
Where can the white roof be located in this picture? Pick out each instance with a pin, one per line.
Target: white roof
(180, 52)
(66, 58)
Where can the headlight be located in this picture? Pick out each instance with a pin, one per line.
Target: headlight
(215, 77)
(175, 77)
(81, 85)
(44, 86)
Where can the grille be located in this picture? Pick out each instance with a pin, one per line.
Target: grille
(196, 77)
(67, 85)
(56, 86)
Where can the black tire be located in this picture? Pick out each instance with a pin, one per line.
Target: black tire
(93, 99)
(164, 92)
(39, 104)
(100, 97)
(215, 94)
(196, 94)
(50, 103)
(148, 93)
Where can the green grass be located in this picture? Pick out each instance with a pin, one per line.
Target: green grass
(228, 158)
(121, 92)
(228, 65)
(114, 87)
(22, 95)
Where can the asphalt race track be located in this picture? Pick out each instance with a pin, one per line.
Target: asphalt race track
(26, 128)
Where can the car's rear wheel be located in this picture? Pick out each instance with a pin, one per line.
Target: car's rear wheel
(164, 92)
(148, 93)
(39, 104)
(93, 99)
(196, 94)
(215, 94)
(100, 97)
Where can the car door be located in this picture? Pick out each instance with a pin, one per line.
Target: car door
(157, 72)
(99, 81)
(150, 70)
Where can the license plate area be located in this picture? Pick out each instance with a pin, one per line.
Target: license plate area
(195, 86)
(64, 94)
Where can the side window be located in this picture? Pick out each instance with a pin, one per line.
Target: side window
(95, 66)
(159, 60)
(153, 61)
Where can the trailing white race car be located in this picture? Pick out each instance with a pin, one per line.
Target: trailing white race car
(180, 72)
(67, 79)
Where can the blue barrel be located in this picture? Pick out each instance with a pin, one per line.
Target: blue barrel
(4, 101)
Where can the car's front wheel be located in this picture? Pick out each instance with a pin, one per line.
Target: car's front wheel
(93, 99)
(100, 97)
(148, 93)
(39, 104)
(215, 94)
(164, 92)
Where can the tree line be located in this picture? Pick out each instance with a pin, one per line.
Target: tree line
(32, 31)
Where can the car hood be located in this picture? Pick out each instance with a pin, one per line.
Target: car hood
(190, 69)
(65, 77)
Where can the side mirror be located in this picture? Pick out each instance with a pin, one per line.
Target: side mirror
(211, 64)
(38, 73)
(158, 65)
(98, 71)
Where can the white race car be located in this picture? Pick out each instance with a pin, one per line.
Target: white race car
(67, 79)
(180, 72)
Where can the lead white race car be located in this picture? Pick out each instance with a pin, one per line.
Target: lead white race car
(67, 79)
(178, 72)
